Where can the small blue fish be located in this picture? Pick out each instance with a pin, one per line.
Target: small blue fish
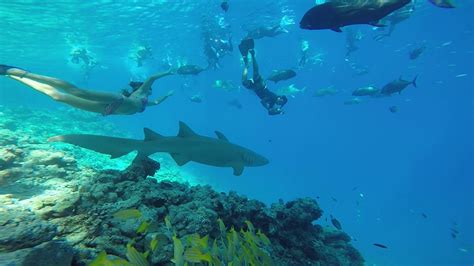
(443, 3)
(380, 245)
(336, 223)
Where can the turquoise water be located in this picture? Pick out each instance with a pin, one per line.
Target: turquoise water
(384, 169)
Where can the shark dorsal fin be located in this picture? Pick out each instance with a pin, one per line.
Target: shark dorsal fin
(221, 136)
(151, 135)
(185, 131)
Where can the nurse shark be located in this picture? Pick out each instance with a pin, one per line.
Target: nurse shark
(185, 147)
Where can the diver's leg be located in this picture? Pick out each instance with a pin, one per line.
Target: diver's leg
(58, 96)
(256, 72)
(80, 103)
(245, 73)
(53, 82)
(96, 96)
(24, 77)
(41, 87)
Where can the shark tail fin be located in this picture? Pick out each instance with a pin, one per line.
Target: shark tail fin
(414, 82)
(115, 147)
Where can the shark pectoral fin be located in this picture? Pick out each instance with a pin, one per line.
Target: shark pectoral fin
(151, 135)
(185, 131)
(336, 29)
(139, 157)
(180, 159)
(238, 169)
(114, 155)
(377, 24)
(221, 136)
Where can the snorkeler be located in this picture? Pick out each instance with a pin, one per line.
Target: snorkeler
(272, 102)
(142, 53)
(216, 46)
(393, 20)
(82, 56)
(106, 103)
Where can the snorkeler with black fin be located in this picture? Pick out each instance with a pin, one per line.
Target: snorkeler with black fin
(102, 102)
(272, 102)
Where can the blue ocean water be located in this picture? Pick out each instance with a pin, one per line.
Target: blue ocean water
(378, 172)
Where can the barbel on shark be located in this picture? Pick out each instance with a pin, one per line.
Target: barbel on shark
(185, 147)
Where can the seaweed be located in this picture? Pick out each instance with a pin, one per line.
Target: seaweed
(231, 247)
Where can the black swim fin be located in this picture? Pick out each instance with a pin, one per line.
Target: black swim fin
(245, 45)
(4, 68)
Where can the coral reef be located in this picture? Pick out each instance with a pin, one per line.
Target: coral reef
(56, 210)
(90, 227)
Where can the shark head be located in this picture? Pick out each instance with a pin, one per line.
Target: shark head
(251, 158)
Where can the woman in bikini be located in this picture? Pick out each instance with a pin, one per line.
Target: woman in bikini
(106, 103)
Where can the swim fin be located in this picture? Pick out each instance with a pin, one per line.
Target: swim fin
(245, 45)
(5, 68)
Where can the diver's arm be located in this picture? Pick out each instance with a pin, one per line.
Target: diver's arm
(162, 74)
(149, 81)
(160, 99)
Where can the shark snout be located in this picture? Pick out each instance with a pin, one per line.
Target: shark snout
(254, 159)
(263, 161)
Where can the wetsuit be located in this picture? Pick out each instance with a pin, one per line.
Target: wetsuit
(272, 102)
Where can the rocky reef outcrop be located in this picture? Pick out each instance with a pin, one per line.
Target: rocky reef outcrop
(84, 220)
